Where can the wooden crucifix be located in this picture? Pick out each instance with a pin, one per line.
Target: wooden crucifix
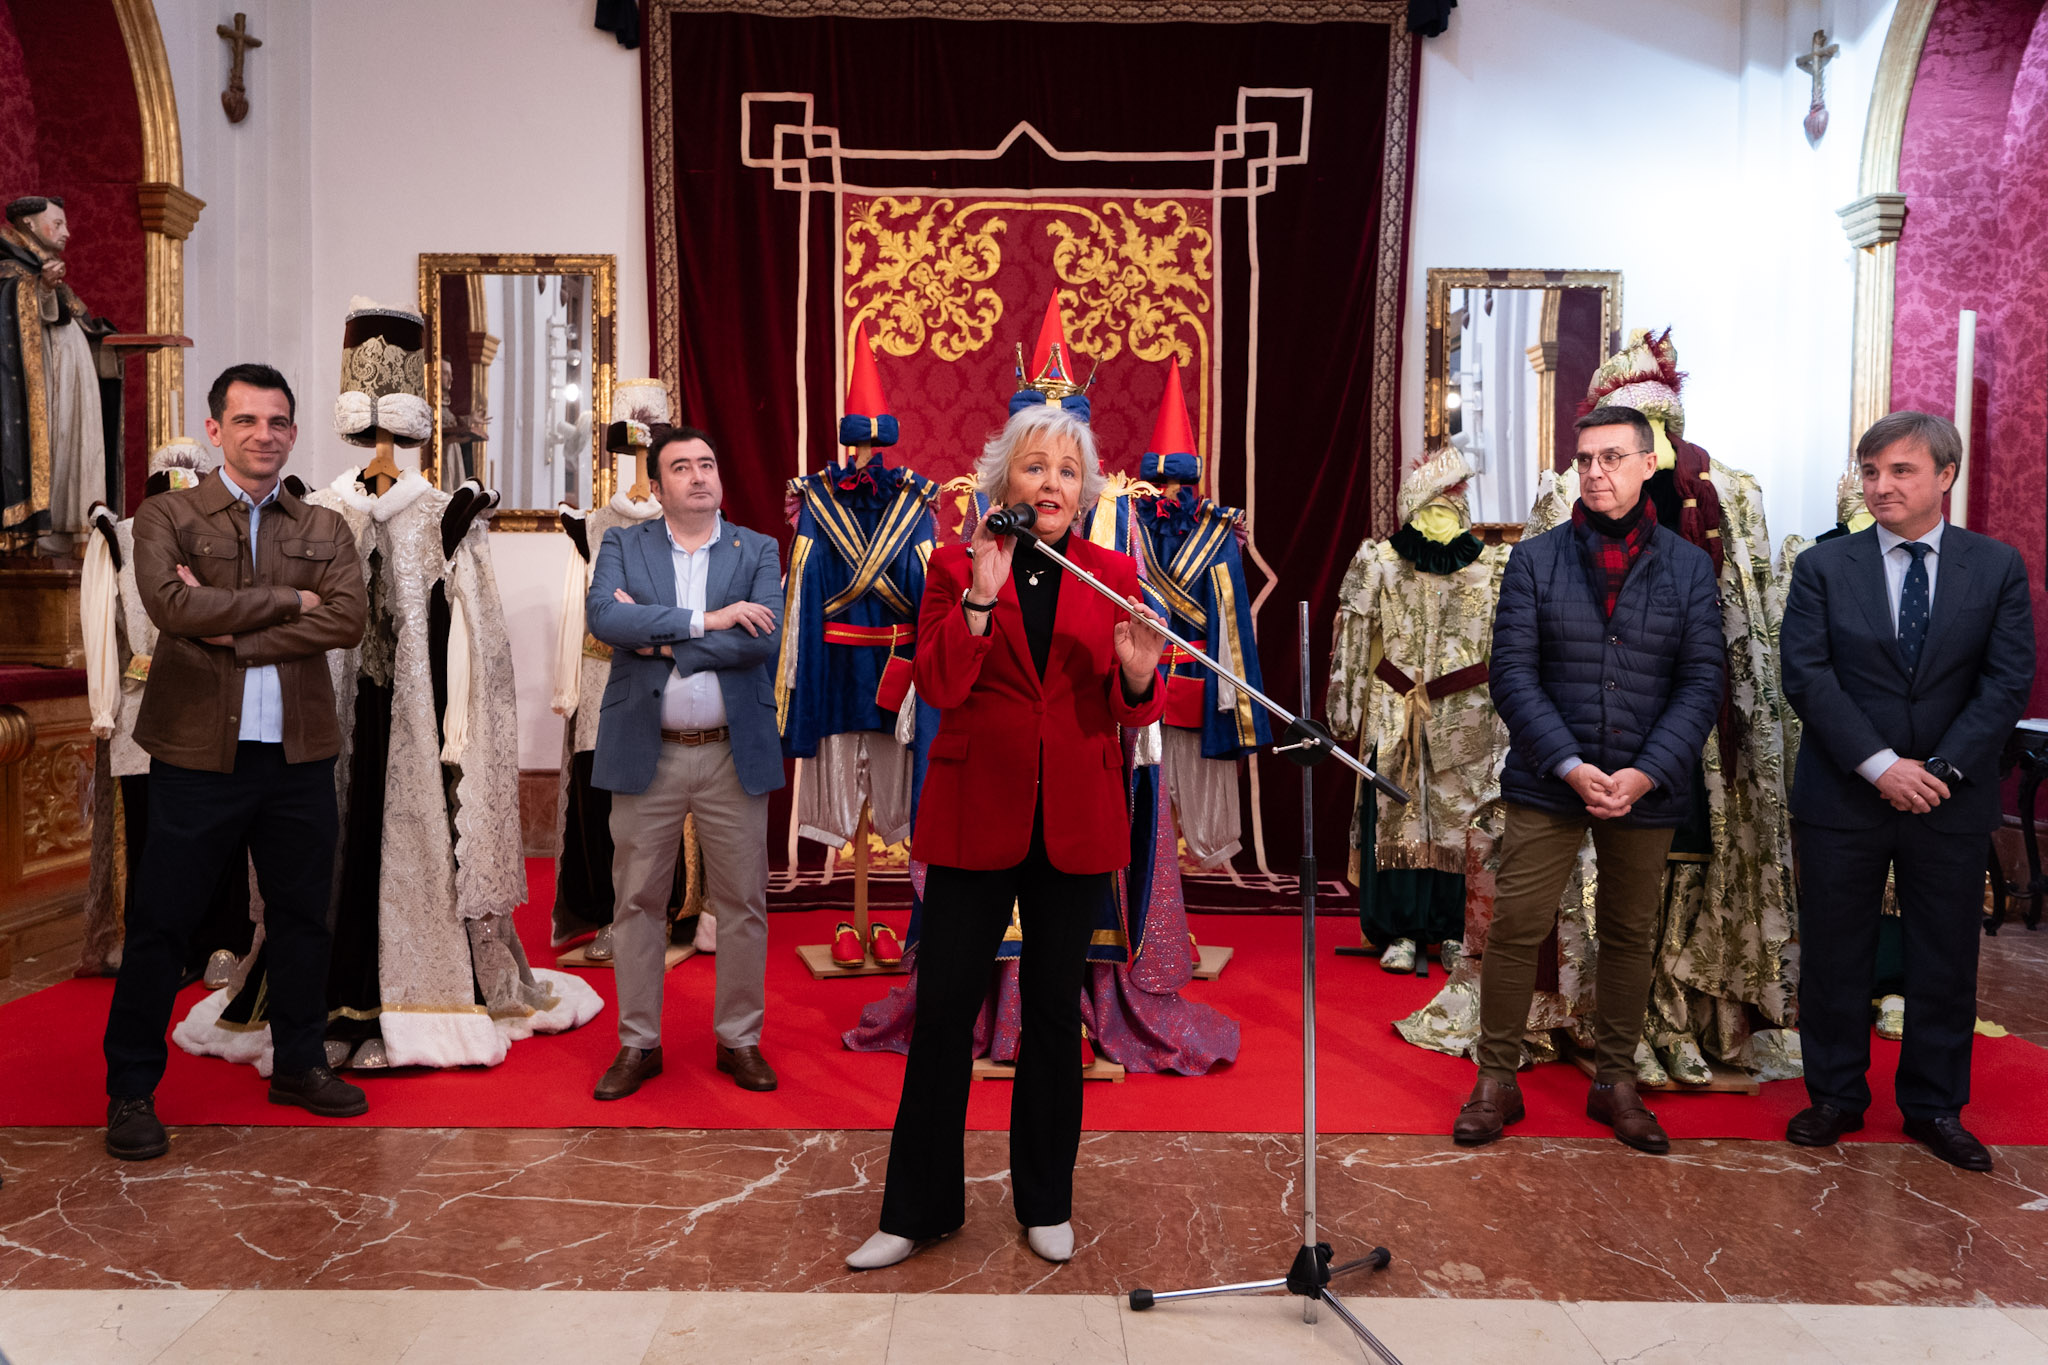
(235, 99)
(1814, 64)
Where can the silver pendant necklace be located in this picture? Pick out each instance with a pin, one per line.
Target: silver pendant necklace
(1033, 579)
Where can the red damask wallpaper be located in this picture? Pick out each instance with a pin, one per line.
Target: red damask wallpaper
(1974, 168)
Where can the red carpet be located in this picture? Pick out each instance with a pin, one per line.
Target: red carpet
(51, 1072)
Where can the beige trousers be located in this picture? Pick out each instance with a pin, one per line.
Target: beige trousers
(647, 831)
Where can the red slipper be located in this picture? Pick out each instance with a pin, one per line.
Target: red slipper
(888, 948)
(846, 947)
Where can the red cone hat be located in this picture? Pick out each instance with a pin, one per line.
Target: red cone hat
(1171, 452)
(866, 420)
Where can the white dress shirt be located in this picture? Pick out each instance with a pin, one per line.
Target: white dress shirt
(1896, 562)
(262, 695)
(692, 701)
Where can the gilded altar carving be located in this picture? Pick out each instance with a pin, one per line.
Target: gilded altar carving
(56, 798)
(926, 284)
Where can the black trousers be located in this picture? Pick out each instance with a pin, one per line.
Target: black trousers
(1940, 881)
(965, 916)
(284, 813)
(226, 923)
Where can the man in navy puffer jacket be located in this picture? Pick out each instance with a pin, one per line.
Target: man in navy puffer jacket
(1608, 667)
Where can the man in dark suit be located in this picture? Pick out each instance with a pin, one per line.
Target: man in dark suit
(691, 605)
(1908, 651)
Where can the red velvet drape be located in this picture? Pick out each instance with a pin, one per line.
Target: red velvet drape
(1328, 327)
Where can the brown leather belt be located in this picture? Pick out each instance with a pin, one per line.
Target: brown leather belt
(693, 738)
(1459, 680)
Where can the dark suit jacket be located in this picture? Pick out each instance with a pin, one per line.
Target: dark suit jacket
(1844, 676)
(743, 568)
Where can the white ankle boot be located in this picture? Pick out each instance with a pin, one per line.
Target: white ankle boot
(1053, 1243)
(884, 1248)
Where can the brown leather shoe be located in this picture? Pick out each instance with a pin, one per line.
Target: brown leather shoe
(1492, 1106)
(628, 1070)
(747, 1067)
(1620, 1108)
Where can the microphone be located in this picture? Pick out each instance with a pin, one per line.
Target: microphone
(1011, 521)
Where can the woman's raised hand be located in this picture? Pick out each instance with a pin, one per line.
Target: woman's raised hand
(991, 559)
(1138, 646)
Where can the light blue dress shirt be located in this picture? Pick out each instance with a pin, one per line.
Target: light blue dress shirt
(262, 696)
(1896, 561)
(693, 701)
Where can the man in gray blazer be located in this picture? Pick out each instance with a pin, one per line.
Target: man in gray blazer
(691, 606)
(1908, 651)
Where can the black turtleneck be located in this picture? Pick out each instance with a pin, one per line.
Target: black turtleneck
(1039, 602)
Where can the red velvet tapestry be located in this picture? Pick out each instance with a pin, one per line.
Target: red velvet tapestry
(1232, 194)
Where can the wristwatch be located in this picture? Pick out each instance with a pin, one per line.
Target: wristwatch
(1944, 771)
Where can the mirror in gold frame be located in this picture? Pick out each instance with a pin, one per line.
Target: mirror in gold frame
(520, 370)
(1508, 355)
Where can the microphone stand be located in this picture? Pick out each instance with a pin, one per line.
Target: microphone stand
(1309, 743)
(1311, 740)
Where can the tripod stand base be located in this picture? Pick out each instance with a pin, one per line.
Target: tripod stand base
(1308, 1278)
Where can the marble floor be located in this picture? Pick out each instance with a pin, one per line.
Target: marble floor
(132, 1327)
(668, 1245)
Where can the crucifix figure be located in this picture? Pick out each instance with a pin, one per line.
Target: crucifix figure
(235, 99)
(1814, 64)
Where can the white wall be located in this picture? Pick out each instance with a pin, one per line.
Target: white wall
(1724, 228)
(248, 260)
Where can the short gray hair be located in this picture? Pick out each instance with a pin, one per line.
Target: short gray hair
(992, 470)
(1938, 434)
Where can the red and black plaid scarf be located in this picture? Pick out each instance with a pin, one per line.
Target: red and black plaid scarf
(1614, 557)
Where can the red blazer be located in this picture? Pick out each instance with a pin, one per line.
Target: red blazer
(998, 721)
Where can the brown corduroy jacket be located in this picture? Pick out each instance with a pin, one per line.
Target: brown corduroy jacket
(191, 713)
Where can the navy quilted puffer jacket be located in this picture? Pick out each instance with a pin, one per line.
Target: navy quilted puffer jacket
(1640, 690)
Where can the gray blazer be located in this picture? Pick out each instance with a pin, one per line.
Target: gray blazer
(1844, 677)
(744, 567)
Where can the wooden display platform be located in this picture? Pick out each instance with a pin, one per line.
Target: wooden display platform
(677, 952)
(988, 1069)
(1214, 960)
(818, 958)
(1727, 1080)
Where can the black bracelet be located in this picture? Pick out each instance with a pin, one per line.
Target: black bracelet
(972, 605)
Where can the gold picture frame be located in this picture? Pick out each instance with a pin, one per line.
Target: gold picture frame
(603, 272)
(1443, 280)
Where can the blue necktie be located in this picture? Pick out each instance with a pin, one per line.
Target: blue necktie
(1913, 606)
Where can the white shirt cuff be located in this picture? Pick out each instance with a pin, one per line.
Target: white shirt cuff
(1874, 767)
(1564, 766)
(696, 625)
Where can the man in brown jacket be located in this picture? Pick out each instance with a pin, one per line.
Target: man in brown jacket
(250, 588)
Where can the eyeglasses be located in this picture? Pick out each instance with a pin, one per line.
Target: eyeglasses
(1610, 460)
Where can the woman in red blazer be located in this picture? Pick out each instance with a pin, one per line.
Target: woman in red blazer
(1032, 677)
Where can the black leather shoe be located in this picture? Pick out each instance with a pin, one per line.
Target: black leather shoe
(321, 1091)
(1948, 1139)
(747, 1067)
(133, 1132)
(628, 1070)
(1821, 1125)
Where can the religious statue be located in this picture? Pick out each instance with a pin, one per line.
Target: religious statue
(55, 458)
